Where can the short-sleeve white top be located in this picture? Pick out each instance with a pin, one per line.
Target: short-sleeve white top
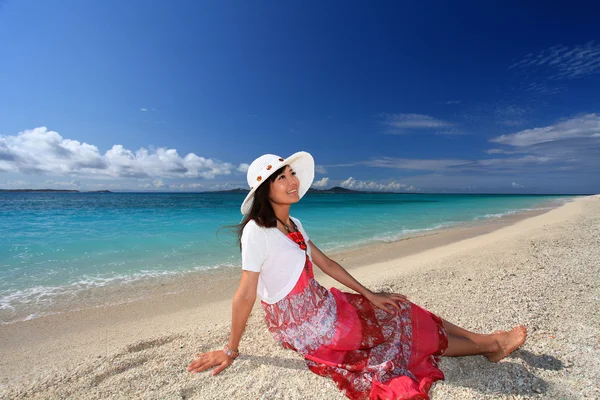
(277, 257)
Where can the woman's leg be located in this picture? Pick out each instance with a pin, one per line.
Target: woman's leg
(495, 346)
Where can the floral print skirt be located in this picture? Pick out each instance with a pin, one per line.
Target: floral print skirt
(369, 353)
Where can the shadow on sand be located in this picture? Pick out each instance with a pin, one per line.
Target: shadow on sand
(288, 363)
(507, 377)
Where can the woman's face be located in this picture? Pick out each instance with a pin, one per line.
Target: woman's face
(284, 189)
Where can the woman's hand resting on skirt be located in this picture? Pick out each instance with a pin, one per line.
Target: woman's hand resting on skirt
(209, 360)
(386, 301)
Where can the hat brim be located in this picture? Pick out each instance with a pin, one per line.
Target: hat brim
(302, 163)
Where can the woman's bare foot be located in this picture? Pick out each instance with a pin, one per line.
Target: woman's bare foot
(508, 342)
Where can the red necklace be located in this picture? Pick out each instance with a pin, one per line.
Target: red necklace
(299, 239)
(295, 236)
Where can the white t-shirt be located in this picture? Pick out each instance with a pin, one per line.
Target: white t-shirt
(277, 257)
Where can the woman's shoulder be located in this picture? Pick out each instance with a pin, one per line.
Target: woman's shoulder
(252, 227)
(254, 233)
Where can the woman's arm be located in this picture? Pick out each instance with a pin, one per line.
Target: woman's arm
(384, 301)
(335, 270)
(242, 304)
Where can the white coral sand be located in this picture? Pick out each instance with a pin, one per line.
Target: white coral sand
(541, 272)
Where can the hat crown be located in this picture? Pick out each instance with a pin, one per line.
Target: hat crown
(258, 168)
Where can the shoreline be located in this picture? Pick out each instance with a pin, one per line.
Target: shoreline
(350, 257)
(141, 349)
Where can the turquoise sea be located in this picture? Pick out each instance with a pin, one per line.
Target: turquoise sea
(59, 244)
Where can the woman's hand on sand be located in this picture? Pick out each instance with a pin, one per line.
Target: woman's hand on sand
(209, 360)
(386, 301)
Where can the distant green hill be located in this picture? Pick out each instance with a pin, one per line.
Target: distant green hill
(238, 190)
(333, 190)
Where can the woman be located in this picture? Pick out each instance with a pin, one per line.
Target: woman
(374, 345)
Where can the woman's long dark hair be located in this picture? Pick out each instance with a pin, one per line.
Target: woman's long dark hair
(261, 212)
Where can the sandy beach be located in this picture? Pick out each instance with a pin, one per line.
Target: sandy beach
(537, 269)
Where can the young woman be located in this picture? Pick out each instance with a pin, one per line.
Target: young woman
(373, 345)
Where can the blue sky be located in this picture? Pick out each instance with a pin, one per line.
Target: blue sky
(182, 96)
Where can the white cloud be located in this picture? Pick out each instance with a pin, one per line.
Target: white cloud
(17, 184)
(40, 151)
(561, 182)
(399, 123)
(502, 151)
(543, 88)
(320, 169)
(509, 110)
(73, 184)
(158, 183)
(243, 167)
(352, 183)
(564, 62)
(512, 162)
(191, 186)
(43, 151)
(415, 164)
(321, 183)
(228, 185)
(568, 145)
(453, 102)
(529, 162)
(143, 109)
(584, 126)
(515, 185)
(451, 132)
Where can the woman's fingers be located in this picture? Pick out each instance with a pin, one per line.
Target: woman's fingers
(392, 305)
(192, 365)
(201, 364)
(207, 362)
(398, 297)
(220, 368)
(386, 306)
(388, 301)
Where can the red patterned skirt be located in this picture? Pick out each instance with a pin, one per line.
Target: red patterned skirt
(369, 353)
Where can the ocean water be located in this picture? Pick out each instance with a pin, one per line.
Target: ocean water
(55, 245)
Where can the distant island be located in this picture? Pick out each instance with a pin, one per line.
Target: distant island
(333, 190)
(238, 190)
(54, 190)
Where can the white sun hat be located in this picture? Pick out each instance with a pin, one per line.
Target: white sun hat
(263, 167)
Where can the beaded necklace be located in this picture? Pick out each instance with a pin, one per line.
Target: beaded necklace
(296, 237)
(287, 228)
